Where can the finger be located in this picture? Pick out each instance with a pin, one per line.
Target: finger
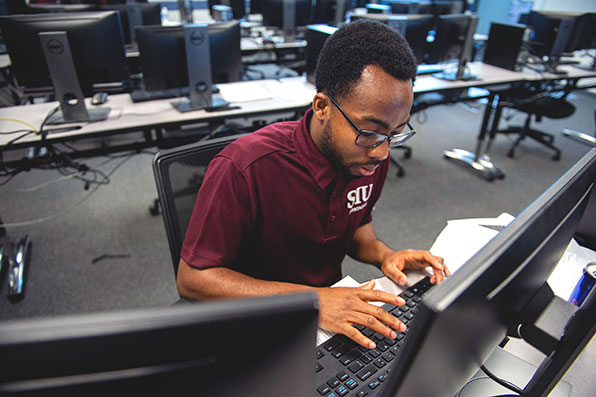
(396, 275)
(358, 337)
(369, 285)
(376, 295)
(379, 321)
(376, 318)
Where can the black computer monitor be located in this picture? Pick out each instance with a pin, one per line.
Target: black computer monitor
(164, 57)
(504, 44)
(246, 347)
(551, 35)
(502, 291)
(316, 36)
(89, 57)
(286, 15)
(584, 35)
(454, 40)
(330, 12)
(414, 28)
(402, 6)
(238, 7)
(43, 8)
(441, 7)
(133, 14)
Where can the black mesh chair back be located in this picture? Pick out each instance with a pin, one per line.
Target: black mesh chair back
(179, 173)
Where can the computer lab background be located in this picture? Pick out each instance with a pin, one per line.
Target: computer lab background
(96, 247)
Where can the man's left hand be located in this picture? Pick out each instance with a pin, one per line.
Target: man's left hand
(394, 263)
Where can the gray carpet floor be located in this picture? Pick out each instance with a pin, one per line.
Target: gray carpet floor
(73, 229)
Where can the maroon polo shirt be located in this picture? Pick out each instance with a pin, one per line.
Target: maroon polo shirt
(274, 208)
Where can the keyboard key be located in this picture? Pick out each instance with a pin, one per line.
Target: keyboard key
(342, 375)
(332, 344)
(362, 393)
(355, 366)
(388, 357)
(352, 384)
(382, 378)
(319, 354)
(318, 367)
(352, 355)
(365, 358)
(374, 353)
(382, 346)
(374, 384)
(333, 383)
(332, 394)
(379, 363)
(342, 390)
(411, 303)
(323, 389)
(367, 372)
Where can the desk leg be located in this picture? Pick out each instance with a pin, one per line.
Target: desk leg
(478, 161)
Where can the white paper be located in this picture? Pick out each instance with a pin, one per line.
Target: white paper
(244, 92)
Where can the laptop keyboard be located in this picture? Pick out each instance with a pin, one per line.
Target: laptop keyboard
(344, 368)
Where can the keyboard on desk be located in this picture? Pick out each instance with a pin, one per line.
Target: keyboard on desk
(343, 367)
(143, 96)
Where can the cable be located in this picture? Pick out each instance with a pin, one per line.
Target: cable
(59, 213)
(506, 384)
(21, 122)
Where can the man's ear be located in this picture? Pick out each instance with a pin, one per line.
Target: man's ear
(321, 106)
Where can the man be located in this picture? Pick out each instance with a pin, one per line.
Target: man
(280, 208)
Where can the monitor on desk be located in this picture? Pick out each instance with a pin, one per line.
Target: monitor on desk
(551, 35)
(238, 7)
(133, 14)
(331, 12)
(167, 56)
(454, 40)
(414, 28)
(502, 291)
(441, 7)
(286, 15)
(245, 347)
(83, 54)
(403, 6)
(316, 36)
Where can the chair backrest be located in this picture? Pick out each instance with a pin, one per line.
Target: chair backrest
(179, 173)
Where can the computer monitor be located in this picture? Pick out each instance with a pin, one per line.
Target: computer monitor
(502, 291)
(414, 28)
(238, 7)
(504, 45)
(245, 347)
(441, 7)
(551, 34)
(167, 57)
(330, 12)
(133, 14)
(454, 40)
(287, 15)
(403, 6)
(85, 55)
(316, 36)
(43, 8)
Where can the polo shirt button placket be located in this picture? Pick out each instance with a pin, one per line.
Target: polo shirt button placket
(333, 218)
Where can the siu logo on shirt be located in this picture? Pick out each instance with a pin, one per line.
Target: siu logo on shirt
(358, 198)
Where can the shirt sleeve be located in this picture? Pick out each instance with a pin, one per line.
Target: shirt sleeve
(221, 217)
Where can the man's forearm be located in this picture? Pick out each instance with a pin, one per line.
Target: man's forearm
(366, 247)
(221, 282)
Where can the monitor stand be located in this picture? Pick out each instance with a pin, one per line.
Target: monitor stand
(510, 367)
(459, 75)
(196, 41)
(465, 56)
(289, 20)
(66, 83)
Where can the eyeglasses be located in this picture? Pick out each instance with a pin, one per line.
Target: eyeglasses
(372, 139)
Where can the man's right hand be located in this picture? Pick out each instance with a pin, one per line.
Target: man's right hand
(342, 307)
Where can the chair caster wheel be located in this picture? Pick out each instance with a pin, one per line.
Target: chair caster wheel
(510, 154)
(400, 173)
(407, 155)
(557, 157)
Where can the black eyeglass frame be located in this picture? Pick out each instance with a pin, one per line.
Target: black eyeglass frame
(405, 136)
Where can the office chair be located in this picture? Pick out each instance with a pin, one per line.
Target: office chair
(179, 173)
(582, 137)
(537, 101)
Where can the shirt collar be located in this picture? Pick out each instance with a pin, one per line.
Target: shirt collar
(319, 167)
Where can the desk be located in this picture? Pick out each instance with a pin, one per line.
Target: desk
(151, 117)
(479, 160)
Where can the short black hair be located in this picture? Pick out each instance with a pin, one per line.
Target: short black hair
(359, 44)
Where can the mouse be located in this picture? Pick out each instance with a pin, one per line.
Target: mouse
(99, 98)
